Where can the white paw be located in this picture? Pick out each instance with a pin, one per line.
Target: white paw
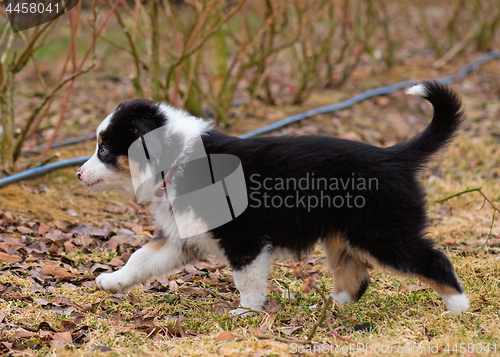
(242, 312)
(114, 283)
(341, 298)
(456, 304)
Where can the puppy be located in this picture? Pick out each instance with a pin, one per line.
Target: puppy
(363, 203)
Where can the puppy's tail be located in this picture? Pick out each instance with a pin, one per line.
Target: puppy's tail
(448, 115)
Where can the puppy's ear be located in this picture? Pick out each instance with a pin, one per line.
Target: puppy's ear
(151, 139)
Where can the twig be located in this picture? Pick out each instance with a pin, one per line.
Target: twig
(77, 68)
(486, 199)
(338, 335)
(326, 307)
(44, 101)
(282, 339)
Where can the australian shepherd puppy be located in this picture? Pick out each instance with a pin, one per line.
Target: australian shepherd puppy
(363, 203)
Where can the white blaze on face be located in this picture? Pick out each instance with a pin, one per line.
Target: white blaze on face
(95, 175)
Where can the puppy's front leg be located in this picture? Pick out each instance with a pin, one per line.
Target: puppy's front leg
(154, 259)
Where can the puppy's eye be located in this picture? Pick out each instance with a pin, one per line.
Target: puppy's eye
(103, 150)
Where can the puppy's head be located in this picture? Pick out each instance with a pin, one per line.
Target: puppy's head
(171, 134)
(109, 167)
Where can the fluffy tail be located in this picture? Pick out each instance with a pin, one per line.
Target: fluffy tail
(448, 116)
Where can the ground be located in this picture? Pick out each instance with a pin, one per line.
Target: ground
(56, 237)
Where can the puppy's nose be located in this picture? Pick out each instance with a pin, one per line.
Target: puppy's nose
(79, 174)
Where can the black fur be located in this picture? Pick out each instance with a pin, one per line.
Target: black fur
(389, 227)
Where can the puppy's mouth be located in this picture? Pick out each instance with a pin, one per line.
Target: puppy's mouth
(94, 184)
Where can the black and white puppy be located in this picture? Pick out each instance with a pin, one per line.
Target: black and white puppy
(363, 203)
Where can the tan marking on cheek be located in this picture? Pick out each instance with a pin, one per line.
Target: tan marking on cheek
(123, 164)
(99, 140)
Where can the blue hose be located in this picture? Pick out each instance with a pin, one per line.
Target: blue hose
(42, 170)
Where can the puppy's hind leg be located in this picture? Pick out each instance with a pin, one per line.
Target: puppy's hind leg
(418, 257)
(251, 281)
(156, 258)
(350, 276)
(436, 270)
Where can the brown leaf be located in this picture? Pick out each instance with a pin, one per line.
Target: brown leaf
(225, 336)
(289, 330)
(273, 288)
(351, 319)
(404, 287)
(153, 331)
(67, 325)
(192, 270)
(203, 292)
(51, 270)
(24, 230)
(449, 241)
(255, 331)
(173, 286)
(23, 334)
(116, 262)
(100, 268)
(123, 329)
(64, 226)
(116, 209)
(64, 337)
(7, 215)
(69, 247)
(145, 320)
(9, 258)
(179, 326)
(413, 287)
(273, 306)
(2, 316)
(100, 232)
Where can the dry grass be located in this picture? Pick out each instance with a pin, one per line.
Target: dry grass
(391, 314)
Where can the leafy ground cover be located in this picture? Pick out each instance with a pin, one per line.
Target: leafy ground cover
(56, 237)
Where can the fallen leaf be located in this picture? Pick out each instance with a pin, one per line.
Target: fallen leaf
(413, 287)
(255, 331)
(64, 226)
(24, 230)
(67, 325)
(225, 336)
(116, 262)
(51, 270)
(23, 334)
(145, 320)
(64, 337)
(289, 330)
(179, 326)
(9, 258)
(449, 241)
